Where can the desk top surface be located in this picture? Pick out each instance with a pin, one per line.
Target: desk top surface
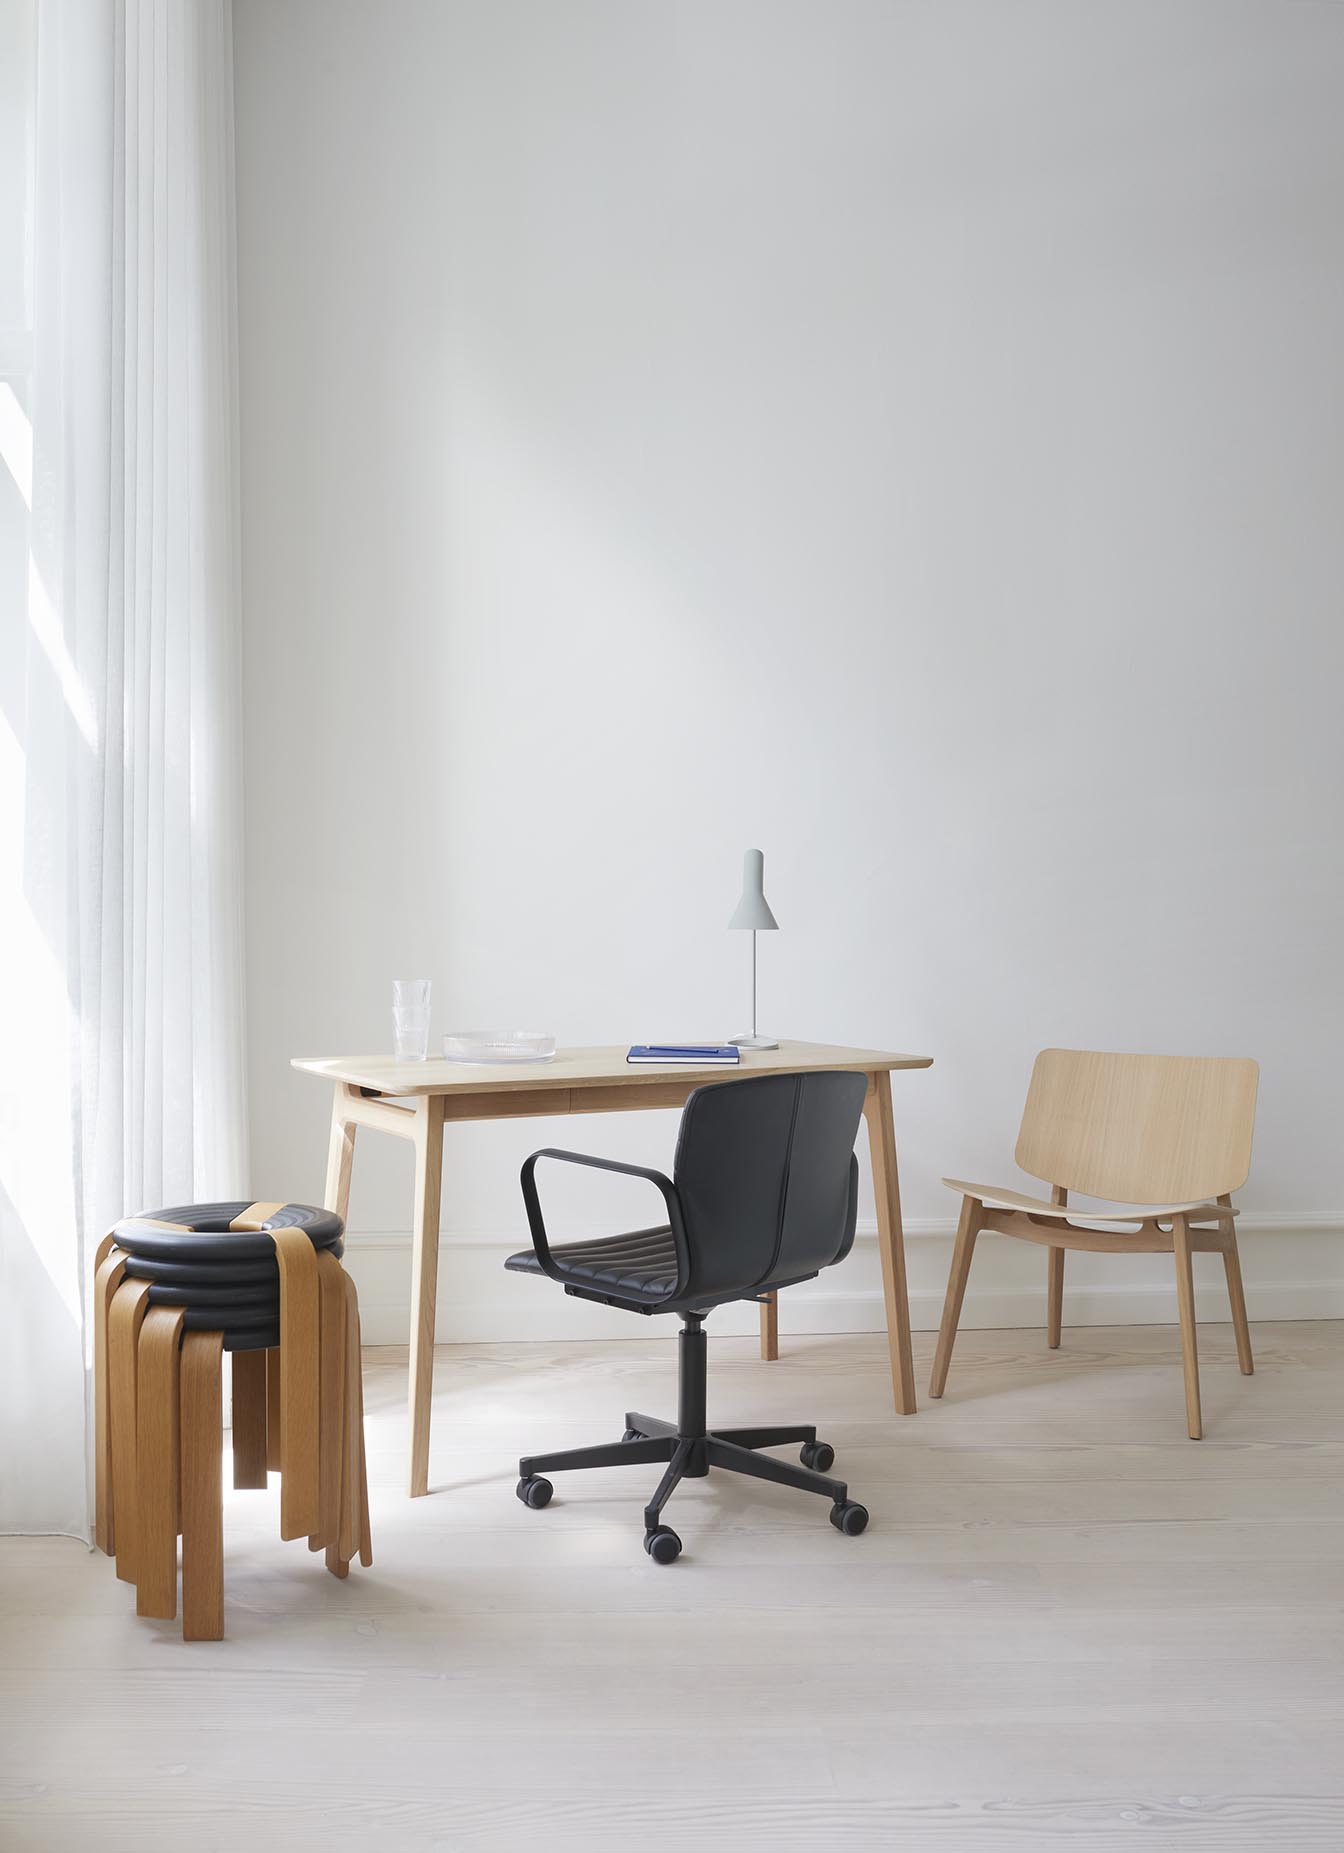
(570, 1068)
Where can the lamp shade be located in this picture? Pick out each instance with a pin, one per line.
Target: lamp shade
(753, 910)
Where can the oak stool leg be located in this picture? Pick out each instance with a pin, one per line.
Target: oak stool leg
(352, 1466)
(300, 1383)
(273, 1409)
(157, 1449)
(249, 1418)
(108, 1278)
(341, 1548)
(202, 1487)
(357, 1361)
(125, 1317)
(331, 1282)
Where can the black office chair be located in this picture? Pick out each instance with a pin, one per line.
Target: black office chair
(763, 1194)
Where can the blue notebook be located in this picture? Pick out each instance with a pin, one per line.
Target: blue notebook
(685, 1054)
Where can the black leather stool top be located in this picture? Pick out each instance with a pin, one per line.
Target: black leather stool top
(214, 1232)
(217, 1262)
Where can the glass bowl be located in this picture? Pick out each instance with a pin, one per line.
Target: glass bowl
(498, 1045)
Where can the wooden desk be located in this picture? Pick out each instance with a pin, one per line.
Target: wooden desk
(415, 1100)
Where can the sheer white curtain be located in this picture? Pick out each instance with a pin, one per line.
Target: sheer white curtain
(121, 990)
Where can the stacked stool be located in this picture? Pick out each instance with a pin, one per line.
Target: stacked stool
(175, 1290)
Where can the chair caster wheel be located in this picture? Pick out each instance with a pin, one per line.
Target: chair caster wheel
(663, 1545)
(632, 1434)
(818, 1455)
(849, 1516)
(534, 1491)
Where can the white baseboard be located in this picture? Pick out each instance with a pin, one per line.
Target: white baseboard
(1293, 1266)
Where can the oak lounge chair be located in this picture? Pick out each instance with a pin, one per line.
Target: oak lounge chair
(1156, 1137)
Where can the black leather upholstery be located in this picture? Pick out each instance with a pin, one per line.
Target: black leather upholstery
(229, 1297)
(641, 1266)
(210, 1274)
(219, 1218)
(764, 1187)
(204, 1234)
(768, 1182)
(224, 1279)
(236, 1338)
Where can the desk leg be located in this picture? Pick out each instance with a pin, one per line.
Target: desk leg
(340, 1158)
(769, 1325)
(890, 1241)
(424, 1281)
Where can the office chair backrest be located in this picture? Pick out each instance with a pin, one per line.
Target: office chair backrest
(1139, 1128)
(767, 1177)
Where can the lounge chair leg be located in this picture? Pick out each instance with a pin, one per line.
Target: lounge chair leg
(1237, 1297)
(1055, 1298)
(1185, 1297)
(956, 1293)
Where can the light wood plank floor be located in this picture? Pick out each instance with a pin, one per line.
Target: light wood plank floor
(1067, 1627)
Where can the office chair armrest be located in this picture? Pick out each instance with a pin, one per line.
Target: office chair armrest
(540, 1244)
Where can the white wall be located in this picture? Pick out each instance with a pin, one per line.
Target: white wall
(908, 437)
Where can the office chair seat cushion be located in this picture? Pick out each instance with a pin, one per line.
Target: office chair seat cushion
(640, 1266)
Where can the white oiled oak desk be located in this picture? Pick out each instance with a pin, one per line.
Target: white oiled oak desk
(416, 1100)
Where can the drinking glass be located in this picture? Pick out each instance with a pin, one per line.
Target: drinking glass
(410, 1018)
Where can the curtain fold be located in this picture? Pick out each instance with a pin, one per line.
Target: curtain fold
(126, 1088)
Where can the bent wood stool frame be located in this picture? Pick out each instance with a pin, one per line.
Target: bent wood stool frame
(1169, 1133)
(158, 1421)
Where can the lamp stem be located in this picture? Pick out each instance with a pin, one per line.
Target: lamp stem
(753, 984)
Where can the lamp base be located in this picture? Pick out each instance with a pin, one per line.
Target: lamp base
(754, 1042)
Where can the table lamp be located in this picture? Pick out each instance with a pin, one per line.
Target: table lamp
(753, 915)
